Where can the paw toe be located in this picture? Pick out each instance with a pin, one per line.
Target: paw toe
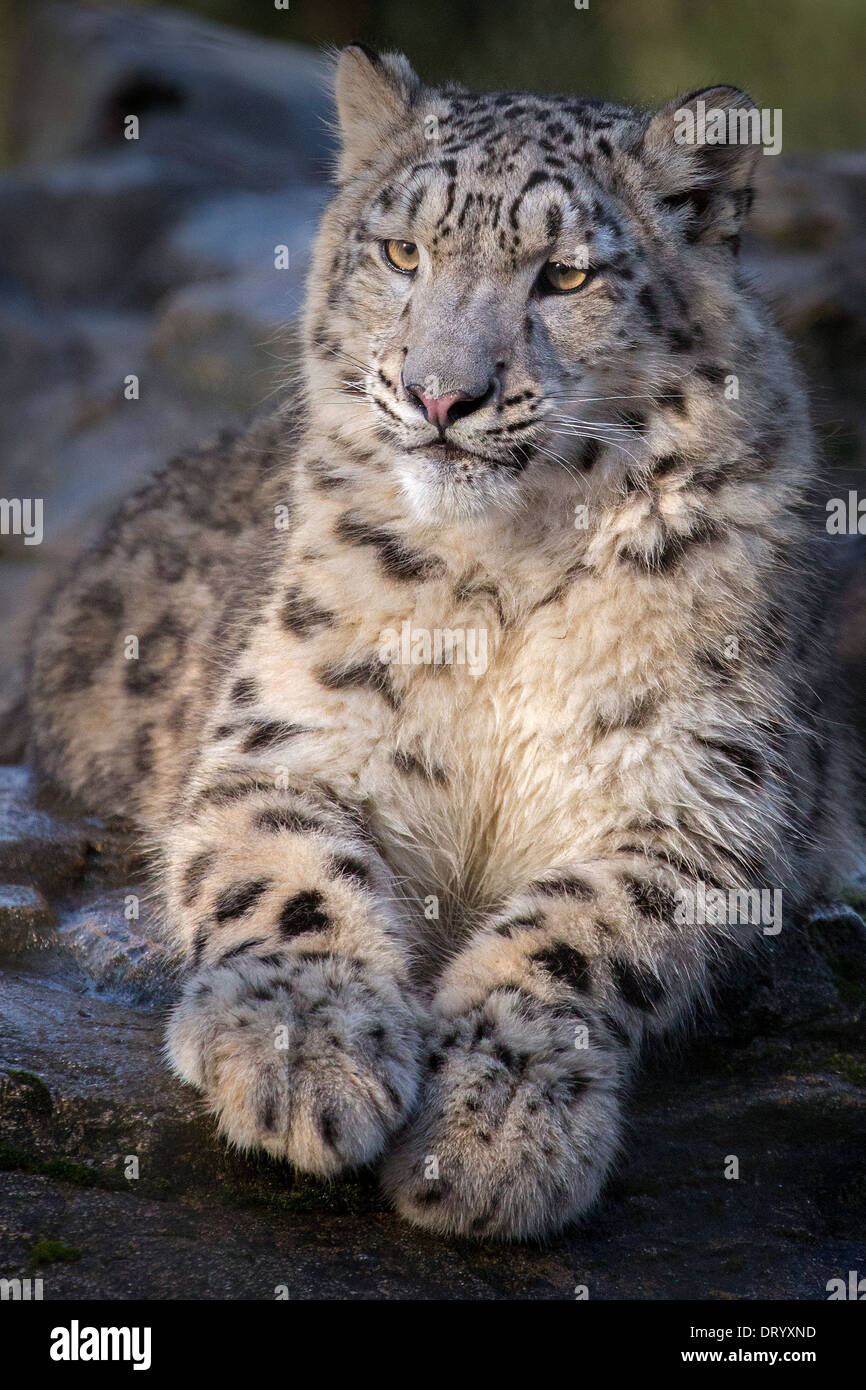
(318, 1067)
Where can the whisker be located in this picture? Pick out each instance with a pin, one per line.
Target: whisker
(605, 439)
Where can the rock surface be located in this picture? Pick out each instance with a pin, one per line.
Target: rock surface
(25, 917)
(35, 846)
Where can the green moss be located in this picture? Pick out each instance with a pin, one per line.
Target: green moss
(305, 1197)
(13, 1159)
(17, 1160)
(69, 1171)
(845, 1064)
(50, 1252)
(39, 1094)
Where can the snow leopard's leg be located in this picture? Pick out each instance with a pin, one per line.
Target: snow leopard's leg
(296, 1018)
(536, 1025)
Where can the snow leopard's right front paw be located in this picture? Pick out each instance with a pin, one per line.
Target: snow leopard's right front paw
(313, 1058)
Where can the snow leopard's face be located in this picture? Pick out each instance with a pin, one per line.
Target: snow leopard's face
(508, 288)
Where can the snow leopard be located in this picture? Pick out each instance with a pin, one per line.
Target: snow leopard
(450, 694)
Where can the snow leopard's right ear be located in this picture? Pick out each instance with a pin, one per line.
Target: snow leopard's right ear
(374, 92)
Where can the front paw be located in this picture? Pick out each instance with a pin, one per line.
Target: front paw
(314, 1059)
(517, 1125)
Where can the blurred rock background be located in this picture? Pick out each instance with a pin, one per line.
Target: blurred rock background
(151, 257)
(154, 258)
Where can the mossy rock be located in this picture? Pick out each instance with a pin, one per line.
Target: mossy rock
(50, 1252)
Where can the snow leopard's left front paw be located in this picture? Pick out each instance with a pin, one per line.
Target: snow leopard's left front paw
(517, 1124)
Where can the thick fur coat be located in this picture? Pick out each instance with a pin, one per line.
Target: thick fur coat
(441, 693)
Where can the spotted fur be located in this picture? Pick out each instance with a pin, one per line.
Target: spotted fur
(429, 912)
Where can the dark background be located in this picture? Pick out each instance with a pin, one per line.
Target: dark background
(805, 56)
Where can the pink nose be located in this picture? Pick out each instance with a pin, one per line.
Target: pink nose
(437, 408)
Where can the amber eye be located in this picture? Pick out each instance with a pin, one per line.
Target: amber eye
(402, 255)
(562, 278)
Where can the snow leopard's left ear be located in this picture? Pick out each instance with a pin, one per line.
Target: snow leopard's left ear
(374, 93)
(701, 151)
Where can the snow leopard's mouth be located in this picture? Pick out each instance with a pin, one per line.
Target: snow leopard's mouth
(450, 455)
(443, 451)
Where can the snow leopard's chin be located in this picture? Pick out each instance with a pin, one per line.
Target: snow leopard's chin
(462, 488)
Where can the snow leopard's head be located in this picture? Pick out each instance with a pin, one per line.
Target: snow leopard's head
(513, 290)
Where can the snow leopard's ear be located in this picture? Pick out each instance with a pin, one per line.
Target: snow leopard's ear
(374, 93)
(702, 150)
